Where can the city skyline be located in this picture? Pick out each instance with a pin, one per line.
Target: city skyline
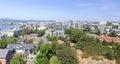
(61, 9)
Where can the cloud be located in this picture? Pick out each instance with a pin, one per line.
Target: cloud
(104, 6)
(108, 6)
(84, 5)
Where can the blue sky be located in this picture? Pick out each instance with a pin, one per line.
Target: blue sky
(61, 9)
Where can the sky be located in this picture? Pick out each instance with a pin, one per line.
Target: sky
(87, 10)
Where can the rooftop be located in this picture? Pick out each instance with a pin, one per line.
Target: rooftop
(109, 39)
(20, 46)
(3, 53)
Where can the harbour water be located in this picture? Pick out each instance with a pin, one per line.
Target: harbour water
(4, 27)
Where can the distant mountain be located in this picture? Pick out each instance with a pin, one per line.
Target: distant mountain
(15, 20)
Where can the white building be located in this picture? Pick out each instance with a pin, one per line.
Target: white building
(114, 23)
(51, 32)
(11, 32)
(76, 24)
(102, 22)
(41, 28)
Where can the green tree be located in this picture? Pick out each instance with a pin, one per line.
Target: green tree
(67, 56)
(95, 50)
(17, 60)
(67, 31)
(40, 32)
(113, 34)
(42, 59)
(105, 43)
(110, 55)
(55, 47)
(52, 38)
(86, 41)
(7, 40)
(45, 54)
(75, 34)
(3, 44)
(115, 26)
(98, 32)
(118, 54)
(26, 31)
(40, 43)
(54, 60)
(29, 41)
(47, 50)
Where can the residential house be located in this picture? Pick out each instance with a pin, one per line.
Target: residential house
(109, 39)
(5, 56)
(102, 30)
(21, 49)
(21, 40)
(36, 39)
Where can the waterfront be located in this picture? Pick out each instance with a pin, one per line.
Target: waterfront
(4, 27)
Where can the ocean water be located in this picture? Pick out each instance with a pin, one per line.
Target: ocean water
(4, 27)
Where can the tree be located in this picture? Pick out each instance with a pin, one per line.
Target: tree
(45, 54)
(47, 50)
(29, 41)
(81, 45)
(67, 31)
(113, 34)
(40, 43)
(98, 32)
(115, 26)
(118, 54)
(52, 38)
(55, 47)
(67, 56)
(75, 34)
(105, 42)
(86, 41)
(110, 55)
(95, 49)
(54, 60)
(17, 60)
(42, 59)
(40, 32)
(62, 38)
(7, 40)
(28, 31)
(93, 32)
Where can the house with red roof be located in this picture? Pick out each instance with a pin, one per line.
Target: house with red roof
(109, 39)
